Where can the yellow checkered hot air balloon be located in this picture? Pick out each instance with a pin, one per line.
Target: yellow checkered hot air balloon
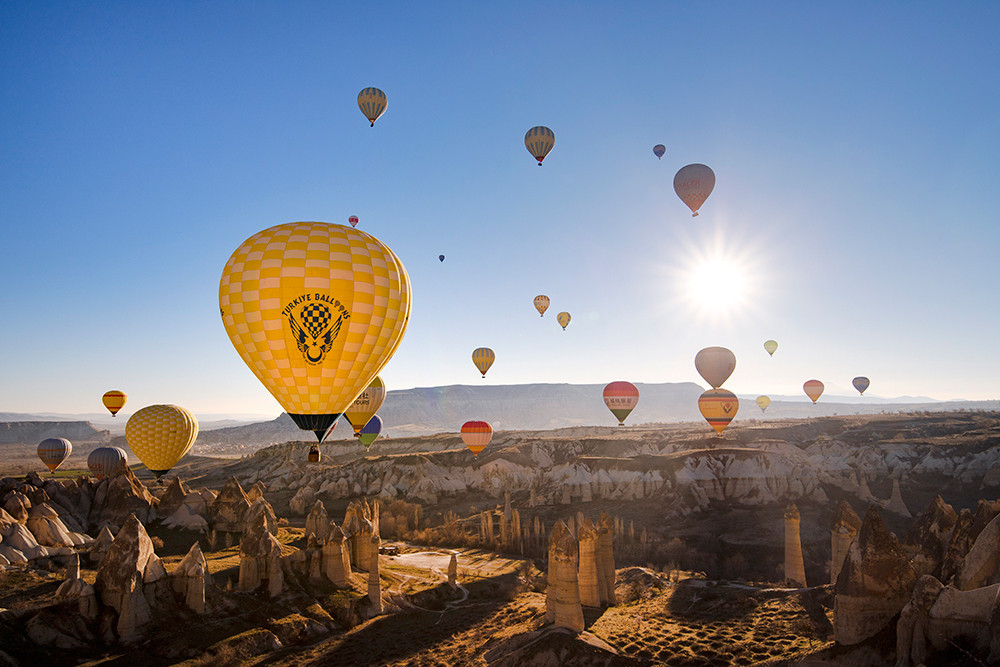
(160, 435)
(366, 405)
(316, 311)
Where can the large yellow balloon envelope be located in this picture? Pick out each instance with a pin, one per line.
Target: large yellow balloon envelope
(483, 358)
(53, 451)
(715, 364)
(114, 401)
(160, 435)
(541, 304)
(718, 407)
(770, 346)
(366, 405)
(763, 402)
(693, 184)
(316, 311)
(813, 389)
(372, 103)
(563, 319)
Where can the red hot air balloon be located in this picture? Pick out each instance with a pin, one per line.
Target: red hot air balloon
(476, 435)
(353, 220)
(813, 389)
(693, 184)
(621, 398)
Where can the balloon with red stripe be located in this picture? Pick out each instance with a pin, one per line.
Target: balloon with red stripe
(476, 435)
(621, 398)
(813, 389)
(53, 451)
(718, 407)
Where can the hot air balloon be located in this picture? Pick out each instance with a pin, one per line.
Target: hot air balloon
(366, 405)
(53, 451)
(103, 460)
(440, 258)
(563, 319)
(659, 150)
(476, 435)
(354, 220)
(316, 311)
(621, 398)
(541, 304)
(369, 432)
(770, 346)
(539, 140)
(718, 407)
(160, 435)
(861, 383)
(483, 358)
(813, 389)
(693, 184)
(715, 364)
(763, 402)
(114, 401)
(372, 103)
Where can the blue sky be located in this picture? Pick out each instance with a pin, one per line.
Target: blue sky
(854, 218)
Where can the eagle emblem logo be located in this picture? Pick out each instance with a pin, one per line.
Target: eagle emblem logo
(314, 330)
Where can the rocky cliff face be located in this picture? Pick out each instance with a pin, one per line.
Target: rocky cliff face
(33, 432)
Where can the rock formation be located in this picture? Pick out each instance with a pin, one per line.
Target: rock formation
(588, 578)
(874, 583)
(336, 556)
(966, 530)
(927, 540)
(75, 587)
(981, 566)
(99, 547)
(843, 528)
(606, 559)
(191, 579)
(374, 581)
(795, 569)
(128, 567)
(562, 596)
(453, 569)
(172, 498)
(45, 524)
(117, 496)
(318, 523)
(227, 512)
(260, 559)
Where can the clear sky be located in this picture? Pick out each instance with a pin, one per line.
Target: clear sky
(854, 219)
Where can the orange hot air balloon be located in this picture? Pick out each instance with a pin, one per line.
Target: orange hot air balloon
(693, 184)
(114, 401)
(813, 389)
(715, 364)
(476, 435)
(541, 304)
(621, 398)
(483, 358)
(718, 407)
(53, 451)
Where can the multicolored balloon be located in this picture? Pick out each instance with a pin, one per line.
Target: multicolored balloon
(539, 140)
(476, 435)
(366, 405)
(316, 311)
(715, 364)
(763, 402)
(483, 358)
(621, 398)
(53, 451)
(813, 389)
(114, 401)
(370, 431)
(160, 435)
(659, 150)
(541, 304)
(718, 407)
(354, 220)
(770, 346)
(563, 319)
(861, 383)
(102, 461)
(372, 103)
(693, 184)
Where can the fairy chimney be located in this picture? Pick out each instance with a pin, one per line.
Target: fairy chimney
(562, 599)
(795, 570)
(844, 526)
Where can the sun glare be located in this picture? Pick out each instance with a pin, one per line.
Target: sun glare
(717, 284)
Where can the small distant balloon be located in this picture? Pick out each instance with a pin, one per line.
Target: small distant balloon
(715, 364)
(763, 402)
(441, 258)
(659, 150)
(539, 140)
(718, 407)
(541, 304)
(354, 220)
(366, 405)
(563, 319)
(476, 435)
(861, 383)
(813, 389)
(114, 401)
(53, 451)
(693, 184)
(483, 358)
(621, 398)
(770, 346)
(372, 103)
(370, 431)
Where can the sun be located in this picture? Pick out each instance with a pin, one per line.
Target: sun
(717, 284)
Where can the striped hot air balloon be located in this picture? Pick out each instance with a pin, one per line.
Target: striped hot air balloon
(372, 103)
(693, 184)
(476, 435)
(114, 401)
(53, 451)
(103, 460)
(483, 358)
(718, 407)
(621, 398)
(659, 150)
(861, 384)
(539, 140)
(813, 389)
